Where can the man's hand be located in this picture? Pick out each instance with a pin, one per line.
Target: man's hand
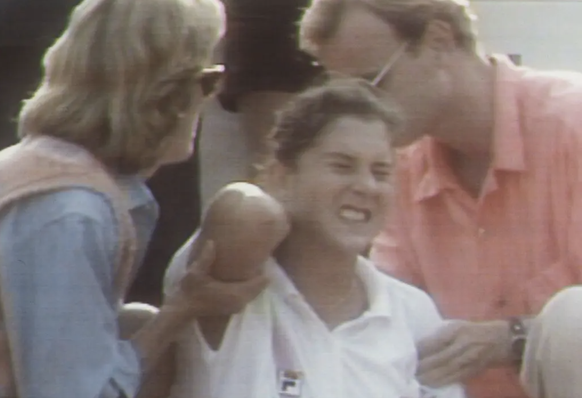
(201, 295)
(197, 296)
(461, 350)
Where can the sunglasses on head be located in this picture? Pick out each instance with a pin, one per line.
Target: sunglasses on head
(333, 76)
(390, 62)
(372, 80)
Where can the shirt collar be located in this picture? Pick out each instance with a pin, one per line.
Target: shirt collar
(280, 282)
(435, 174)
(378, 295)
(137, 191)
(58, 148)
(135, 186)
(507, 134)
(508, 151)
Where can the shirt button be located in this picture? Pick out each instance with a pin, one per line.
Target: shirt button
(481, 232)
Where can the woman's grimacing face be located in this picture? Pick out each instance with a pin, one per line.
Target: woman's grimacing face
(339, 191)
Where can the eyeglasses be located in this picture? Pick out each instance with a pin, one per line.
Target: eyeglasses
(209, 79)
(389, 64)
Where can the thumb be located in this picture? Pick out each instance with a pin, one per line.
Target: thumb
(202, 262)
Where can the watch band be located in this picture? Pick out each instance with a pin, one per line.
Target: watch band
(518, 332)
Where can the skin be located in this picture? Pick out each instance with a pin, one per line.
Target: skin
(445, 92)
(246, 224)
(340, 171)
(180, 146)
(319, 251)
(199, 294)
(257, 116)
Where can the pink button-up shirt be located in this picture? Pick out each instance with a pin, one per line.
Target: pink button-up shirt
(507, 251)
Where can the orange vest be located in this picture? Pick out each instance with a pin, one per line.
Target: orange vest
(27, 169)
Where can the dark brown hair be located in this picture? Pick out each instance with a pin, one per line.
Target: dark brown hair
(305, 118)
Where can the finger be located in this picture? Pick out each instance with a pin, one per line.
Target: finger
(442, 338)
(453, 378)
(458, 351)
(462, 373)
(435, 376)
(458, 366)
(202, 263)
(439, 362)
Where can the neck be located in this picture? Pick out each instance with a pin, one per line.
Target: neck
(320, 272)
(467, 123)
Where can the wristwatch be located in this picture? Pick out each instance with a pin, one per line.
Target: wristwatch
(518, 332)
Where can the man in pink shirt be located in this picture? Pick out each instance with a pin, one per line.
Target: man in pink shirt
(489, 204)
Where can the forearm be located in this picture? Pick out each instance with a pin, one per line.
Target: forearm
(158, 382)
(511, 339)
(155, 337)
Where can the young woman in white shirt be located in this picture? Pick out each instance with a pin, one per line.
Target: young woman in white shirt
(328, 324)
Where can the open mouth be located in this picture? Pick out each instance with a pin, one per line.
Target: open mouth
(354, 214)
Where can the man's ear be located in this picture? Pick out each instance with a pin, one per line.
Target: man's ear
(439, 36)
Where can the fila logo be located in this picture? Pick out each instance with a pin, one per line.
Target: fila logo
(290, 383)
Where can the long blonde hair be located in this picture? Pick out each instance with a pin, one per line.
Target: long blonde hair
(117, 79)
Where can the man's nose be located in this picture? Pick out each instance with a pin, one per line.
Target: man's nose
(365, 182)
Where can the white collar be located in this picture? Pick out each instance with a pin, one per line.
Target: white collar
(135, 185)
(378, 292)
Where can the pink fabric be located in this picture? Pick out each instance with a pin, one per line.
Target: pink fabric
(506, 252)
(36, 166)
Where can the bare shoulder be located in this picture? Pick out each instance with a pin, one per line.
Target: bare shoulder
(158, 382)
(246, 225)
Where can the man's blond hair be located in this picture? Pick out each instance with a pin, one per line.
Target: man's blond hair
(119, 77)
(409, 18)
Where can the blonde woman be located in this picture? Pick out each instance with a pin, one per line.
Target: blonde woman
(121, 90)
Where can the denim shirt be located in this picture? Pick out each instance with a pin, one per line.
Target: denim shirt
(57, 270)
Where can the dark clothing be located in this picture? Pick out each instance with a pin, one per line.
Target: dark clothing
(261, 50)
(19, 75)
(27, 28)
(30, 22)
(177, 191)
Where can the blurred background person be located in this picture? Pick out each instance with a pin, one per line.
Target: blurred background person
(264, 68)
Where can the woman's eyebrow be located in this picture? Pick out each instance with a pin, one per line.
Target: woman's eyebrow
(337, 155)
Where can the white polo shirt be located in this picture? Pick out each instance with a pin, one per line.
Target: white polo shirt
(278, 346)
